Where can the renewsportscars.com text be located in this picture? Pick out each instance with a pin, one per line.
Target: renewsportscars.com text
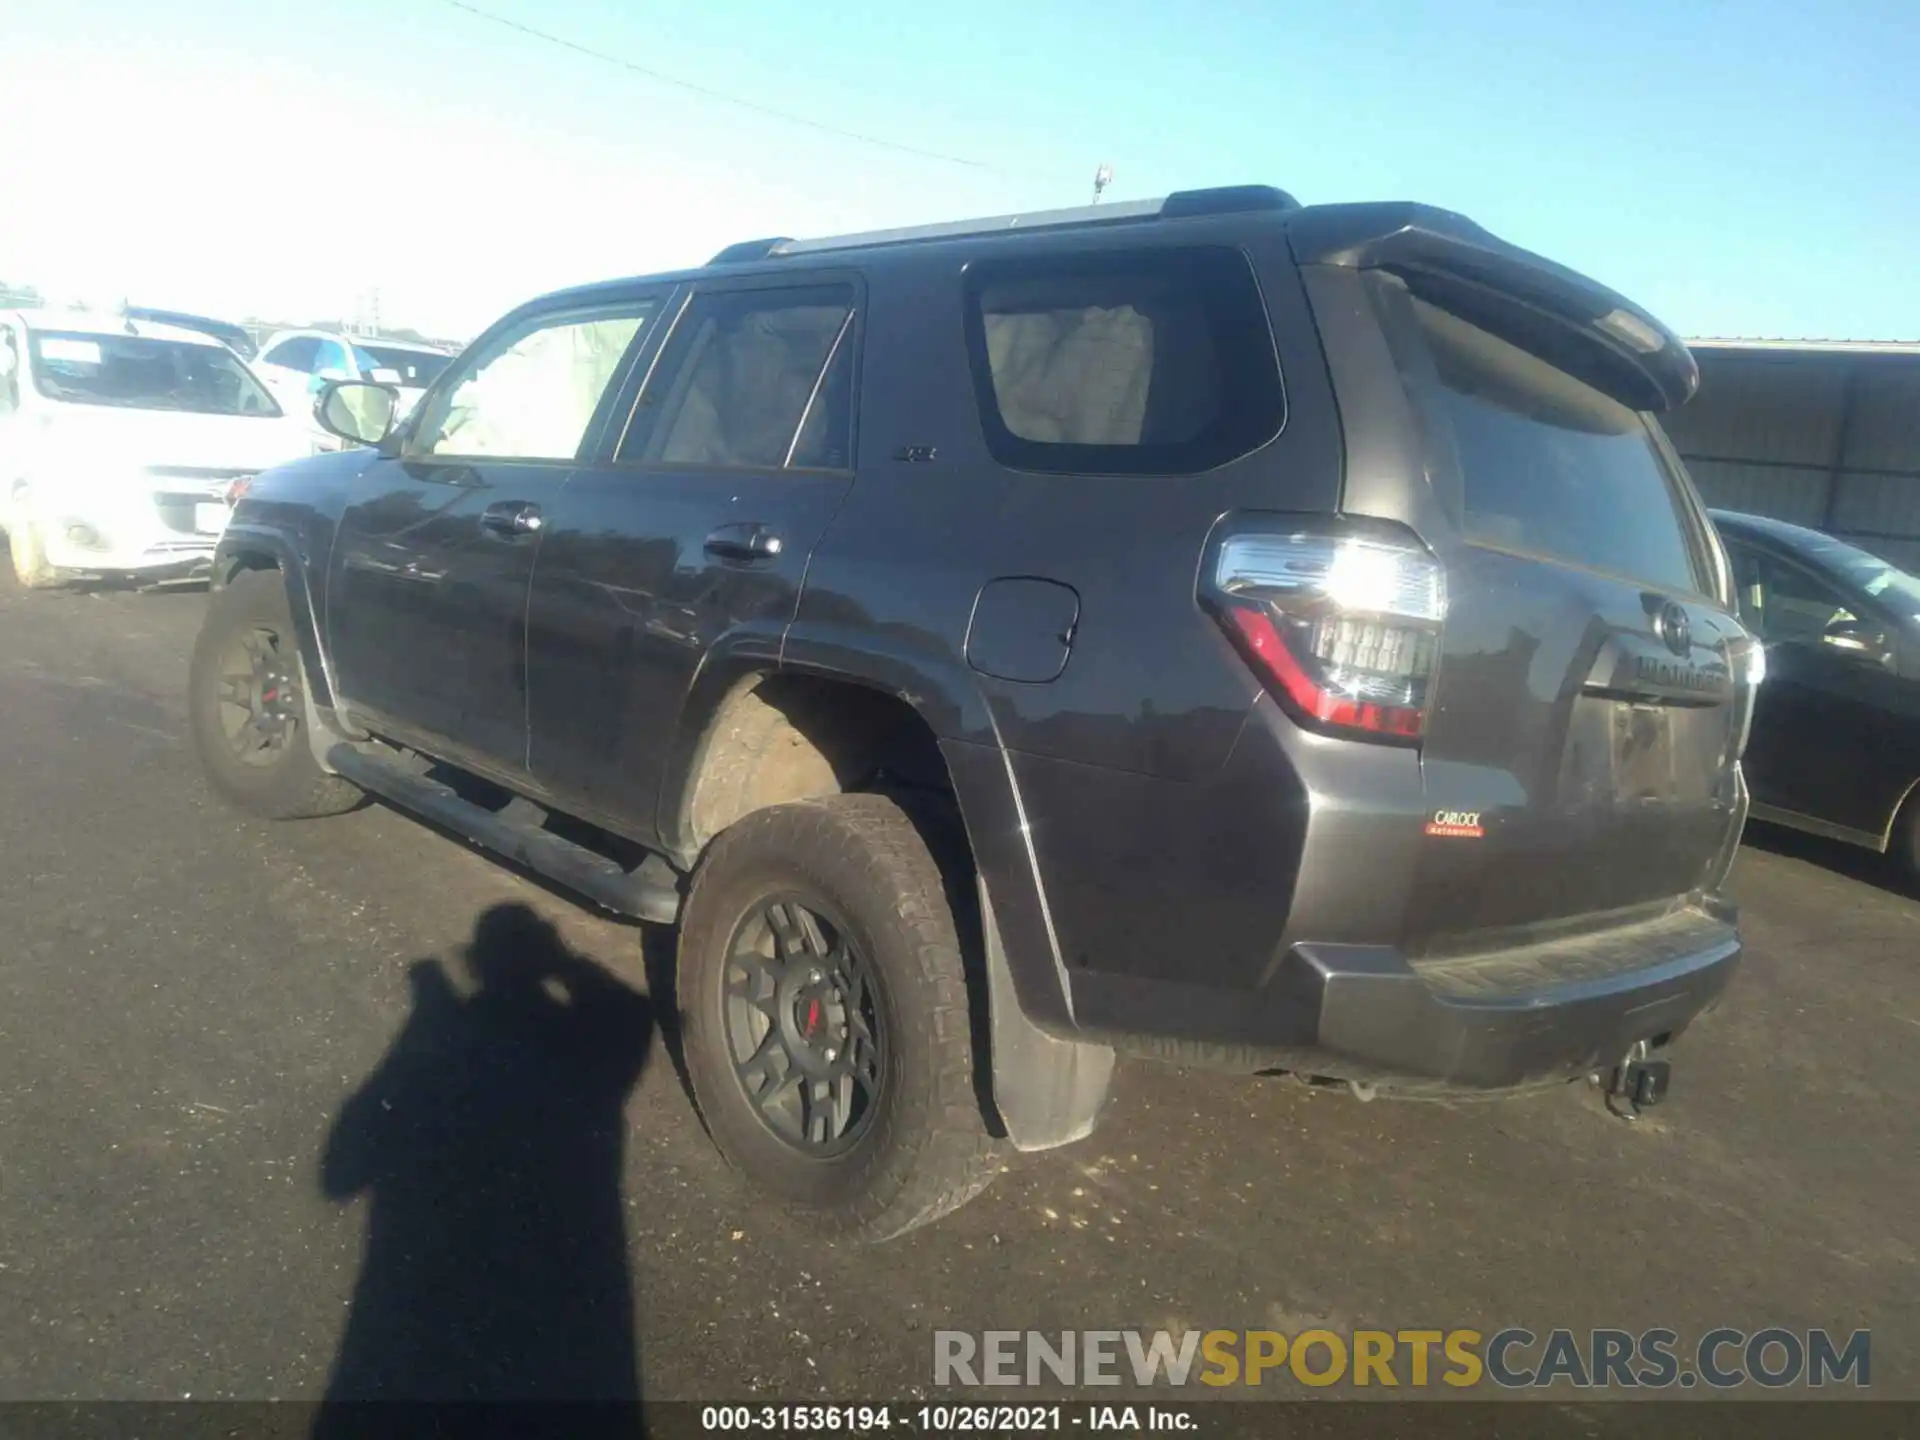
(1721, 1359)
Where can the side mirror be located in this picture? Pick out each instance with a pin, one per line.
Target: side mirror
(358, 412)
(1859, 638)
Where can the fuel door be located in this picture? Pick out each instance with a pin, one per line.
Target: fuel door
(1022, 629)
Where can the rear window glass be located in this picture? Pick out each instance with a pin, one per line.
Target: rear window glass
(1145, 363)
(1547, 464)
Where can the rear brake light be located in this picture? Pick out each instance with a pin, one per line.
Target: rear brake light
(237, 487)
(1749, 666)
(1343, 626)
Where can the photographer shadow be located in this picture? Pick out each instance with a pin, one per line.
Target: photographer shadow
(489, 1143)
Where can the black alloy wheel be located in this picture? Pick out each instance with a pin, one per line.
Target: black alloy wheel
(247, 705)
(259, 696)
(803, 1030)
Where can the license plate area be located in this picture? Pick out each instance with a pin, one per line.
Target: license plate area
(1643, 756)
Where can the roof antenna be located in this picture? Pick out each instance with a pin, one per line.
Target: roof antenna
(1102, 178)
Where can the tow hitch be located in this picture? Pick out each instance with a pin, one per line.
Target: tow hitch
(1637, 1083)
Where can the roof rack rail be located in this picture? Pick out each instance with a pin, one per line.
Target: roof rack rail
(1182, 204)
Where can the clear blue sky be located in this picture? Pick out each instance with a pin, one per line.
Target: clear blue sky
(1741, 168)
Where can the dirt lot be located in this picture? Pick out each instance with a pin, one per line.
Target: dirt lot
(188, 1000)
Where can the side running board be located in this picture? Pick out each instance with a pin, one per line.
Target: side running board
(651, 891)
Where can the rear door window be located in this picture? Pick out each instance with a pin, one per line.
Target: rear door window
(1796, 607)
(1150, 362)
(825, 441)
(1548, 465)
(753, 379)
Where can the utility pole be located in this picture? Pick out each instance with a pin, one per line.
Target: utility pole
(366, 316)
(1102, 178)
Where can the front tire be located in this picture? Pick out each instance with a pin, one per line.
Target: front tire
(825, 1017)
(247, 708)
(30, 567)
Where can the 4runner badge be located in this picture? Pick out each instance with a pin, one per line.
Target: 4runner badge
(1464, 824)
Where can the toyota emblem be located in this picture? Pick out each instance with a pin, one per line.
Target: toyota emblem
(1674, 628)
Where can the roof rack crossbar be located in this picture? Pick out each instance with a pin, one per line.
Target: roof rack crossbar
(1183, 203)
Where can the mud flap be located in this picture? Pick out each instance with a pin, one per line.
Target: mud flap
(1049, 1091)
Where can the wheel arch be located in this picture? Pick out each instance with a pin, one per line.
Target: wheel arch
(1903, 825)
(756, 732)
(256, 547)
(940, 702)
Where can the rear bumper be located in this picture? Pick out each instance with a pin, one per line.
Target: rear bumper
(1375, 1018)
(1490, 1022)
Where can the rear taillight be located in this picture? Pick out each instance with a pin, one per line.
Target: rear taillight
(1342, 624)
(237, 487)
(1749, 665)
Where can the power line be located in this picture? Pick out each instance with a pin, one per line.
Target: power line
(690, 87)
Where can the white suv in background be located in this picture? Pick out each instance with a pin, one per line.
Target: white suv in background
(120, 441)
(296, 363)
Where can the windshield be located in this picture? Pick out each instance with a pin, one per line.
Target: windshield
(414, 367)
(138, 372)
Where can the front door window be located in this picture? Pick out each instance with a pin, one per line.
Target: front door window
(531, 393)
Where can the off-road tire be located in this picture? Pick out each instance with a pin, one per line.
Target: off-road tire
(293, 787)
(30, 568)
(927, 1150)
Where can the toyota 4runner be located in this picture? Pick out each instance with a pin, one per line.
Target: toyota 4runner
(1224, 630)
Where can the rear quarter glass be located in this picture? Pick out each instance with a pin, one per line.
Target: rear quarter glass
(1148, 362)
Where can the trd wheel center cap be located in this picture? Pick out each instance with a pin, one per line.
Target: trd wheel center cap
(813, 1014)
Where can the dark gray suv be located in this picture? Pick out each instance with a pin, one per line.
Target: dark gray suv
(1236, 632)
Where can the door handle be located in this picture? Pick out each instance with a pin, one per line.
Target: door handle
(510, 519)
(748, 540)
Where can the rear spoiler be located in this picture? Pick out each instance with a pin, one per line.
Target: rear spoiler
(1522, 297)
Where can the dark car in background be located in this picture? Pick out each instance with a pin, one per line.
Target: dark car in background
(1835, 748)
